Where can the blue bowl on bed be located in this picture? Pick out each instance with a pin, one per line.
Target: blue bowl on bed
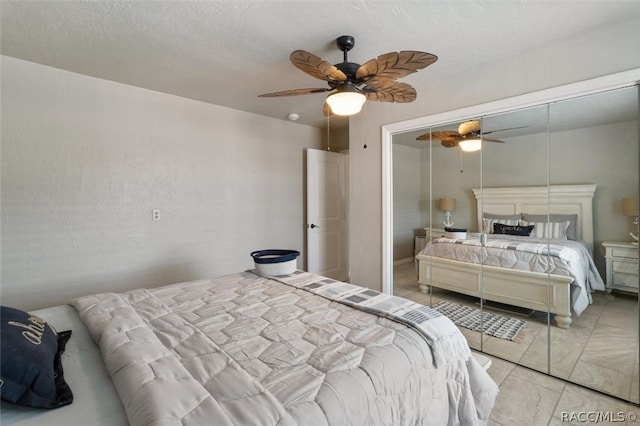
(275, 261)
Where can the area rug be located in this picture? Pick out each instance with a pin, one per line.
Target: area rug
(492, 324)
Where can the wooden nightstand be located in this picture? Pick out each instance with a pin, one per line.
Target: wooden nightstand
(434, 233)
(421, 241)
(622, 265)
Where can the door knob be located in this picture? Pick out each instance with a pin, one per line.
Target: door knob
(313, 225)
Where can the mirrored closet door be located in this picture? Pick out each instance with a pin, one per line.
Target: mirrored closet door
(515, 282)
(594, 139)
(563, 175)
(451, 173)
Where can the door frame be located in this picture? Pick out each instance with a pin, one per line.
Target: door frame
(582, 88)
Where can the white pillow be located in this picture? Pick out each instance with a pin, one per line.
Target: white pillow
(487, 224)
(553, 230)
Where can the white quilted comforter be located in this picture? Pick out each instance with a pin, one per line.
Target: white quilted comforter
(247, 350)
(559, 257)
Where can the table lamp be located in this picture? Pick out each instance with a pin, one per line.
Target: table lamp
(630, 208)
(447, 205)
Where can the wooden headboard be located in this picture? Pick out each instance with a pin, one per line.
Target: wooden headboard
(553, 199)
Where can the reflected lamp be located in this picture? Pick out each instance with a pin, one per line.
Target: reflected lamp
(470, 145)
(630, 208)
(447, 205)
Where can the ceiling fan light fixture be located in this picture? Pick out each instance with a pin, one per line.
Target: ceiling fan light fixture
(470, 145)
(346, 101)
(378, 78)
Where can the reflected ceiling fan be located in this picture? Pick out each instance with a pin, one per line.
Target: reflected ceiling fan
(468, 137)
(352, 84)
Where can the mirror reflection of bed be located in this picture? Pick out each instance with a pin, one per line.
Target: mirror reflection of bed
(564, 144)
(513, 269)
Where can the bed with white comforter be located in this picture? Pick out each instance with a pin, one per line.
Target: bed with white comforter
(293, 350)
(560, 218)
(558, 257)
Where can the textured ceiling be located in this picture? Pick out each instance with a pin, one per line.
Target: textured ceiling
(228, 52)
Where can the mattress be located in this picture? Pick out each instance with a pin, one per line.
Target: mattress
(558, 257)
(247, 350)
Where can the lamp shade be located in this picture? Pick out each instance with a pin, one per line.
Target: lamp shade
(447, 204)
(630, 206)
(346, 103)
(470, 145)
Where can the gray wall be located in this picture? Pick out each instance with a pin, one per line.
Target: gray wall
(555, 64)
(85, 161)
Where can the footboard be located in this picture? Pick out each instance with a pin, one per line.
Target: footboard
(532, 290)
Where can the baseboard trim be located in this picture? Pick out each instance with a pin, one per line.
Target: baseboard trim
(401, 261)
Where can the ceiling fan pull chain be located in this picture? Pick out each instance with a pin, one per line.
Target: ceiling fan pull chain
(461, 165)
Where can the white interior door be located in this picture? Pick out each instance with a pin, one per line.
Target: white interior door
(326, 214)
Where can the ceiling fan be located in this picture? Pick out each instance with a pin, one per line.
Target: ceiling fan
(352, 84)
(468, 137)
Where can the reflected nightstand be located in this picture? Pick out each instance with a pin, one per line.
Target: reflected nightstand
(622, 266)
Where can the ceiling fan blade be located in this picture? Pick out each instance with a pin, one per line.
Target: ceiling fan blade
(450, 143)
(387, 90)
(491, 140)
(394, 65)
(316, 67)
(439, 135)
(502, 130)
(294, 92)
(473, 126)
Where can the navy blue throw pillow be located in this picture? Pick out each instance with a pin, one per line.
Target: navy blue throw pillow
(525, 231)
(31, 370)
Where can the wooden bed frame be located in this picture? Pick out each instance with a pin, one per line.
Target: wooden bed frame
(532, 290)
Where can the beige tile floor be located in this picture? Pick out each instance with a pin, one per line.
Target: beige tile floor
(600, 349)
